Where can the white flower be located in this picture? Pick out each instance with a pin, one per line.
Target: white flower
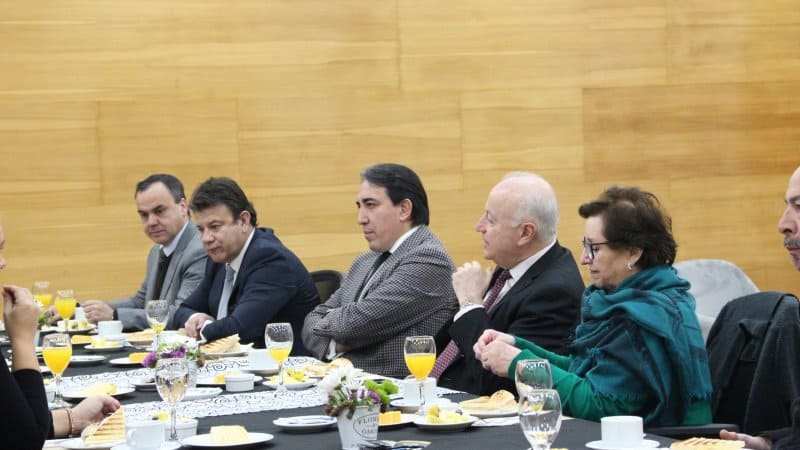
(332, 380)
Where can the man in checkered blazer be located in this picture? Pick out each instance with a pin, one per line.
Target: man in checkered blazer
(400, 288)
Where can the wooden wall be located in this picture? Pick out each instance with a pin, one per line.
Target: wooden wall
(695, 100)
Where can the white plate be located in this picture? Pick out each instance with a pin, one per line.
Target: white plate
(125, 361)
(86, 360)
(204, 440)
(51, 328)
(272, 370)
(405, 419)
(600, 445)
(80, 395)
(201, 393)
(77, 444)
(169, 445)
(299, 386)
(490, 414)
(106, 348)
(144, 383)
(405, 405)
(422, 422)
(243, 350)
(304, 424)
(209, 381)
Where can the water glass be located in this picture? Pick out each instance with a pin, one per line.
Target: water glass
(533, 374)
(171, 378)
(540, 417)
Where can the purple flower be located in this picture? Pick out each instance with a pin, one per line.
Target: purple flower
(375, 397)
(150, 360)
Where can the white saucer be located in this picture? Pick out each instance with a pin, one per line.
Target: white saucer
(201, 393)
(169, 445)
(305, 424)
(600, 445)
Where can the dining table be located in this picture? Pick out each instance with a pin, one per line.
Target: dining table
(257, 409)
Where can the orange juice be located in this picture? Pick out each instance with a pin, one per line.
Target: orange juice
(43, 299)
(65, 307)
(279, 354)
(57, 358)
(420, 364)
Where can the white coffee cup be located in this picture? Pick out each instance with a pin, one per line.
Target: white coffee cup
(259, 359)
(410, 390)
(621, 431)
(109, 327)
(144, 435)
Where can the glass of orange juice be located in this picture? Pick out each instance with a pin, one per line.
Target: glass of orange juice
(57, 351)
(279, 339)
(420, 356)
(43, 293)
(65, 305)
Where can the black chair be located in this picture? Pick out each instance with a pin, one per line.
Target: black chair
(327, 282)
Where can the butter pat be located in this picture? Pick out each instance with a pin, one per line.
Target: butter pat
(229, 434)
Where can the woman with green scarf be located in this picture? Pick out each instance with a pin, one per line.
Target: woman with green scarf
(638, 349)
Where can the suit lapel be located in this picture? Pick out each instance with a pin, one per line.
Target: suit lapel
(388, 266)
(527, 278)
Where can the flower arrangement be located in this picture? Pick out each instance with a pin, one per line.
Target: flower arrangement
(346, 390)
(174, 349)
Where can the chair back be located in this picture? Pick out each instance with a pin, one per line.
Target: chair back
(714, 282)
(327, 282)
(754, 357)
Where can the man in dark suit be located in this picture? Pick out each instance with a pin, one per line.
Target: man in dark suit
(535, 291)
(251, 278)
(175, 263)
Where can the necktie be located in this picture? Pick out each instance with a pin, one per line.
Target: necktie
(450, 353)
(381, 258)
(161, 273)
(227, 288)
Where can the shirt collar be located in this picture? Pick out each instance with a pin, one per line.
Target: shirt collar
(519, 270)
(402, 239)
(169, 248)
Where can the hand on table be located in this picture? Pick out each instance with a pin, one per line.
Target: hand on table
(470, 282)
(751, 442)
(195, 324)
(97, 311)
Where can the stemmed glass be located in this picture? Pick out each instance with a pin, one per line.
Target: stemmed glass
(57, 351)
(533, 374)
(42, 293)
(171, 378)
(157, 312)
(65, 305)
(420, 356)
(540, 417)
(279, 339)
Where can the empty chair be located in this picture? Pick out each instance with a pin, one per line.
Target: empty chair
(714, 283)
(327, 282)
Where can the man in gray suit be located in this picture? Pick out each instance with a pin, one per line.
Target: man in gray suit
(400, 288)
(175, 264)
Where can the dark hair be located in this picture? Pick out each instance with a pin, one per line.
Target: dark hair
(222, 191)
(634, 218)
(401, 183)
(170, 181)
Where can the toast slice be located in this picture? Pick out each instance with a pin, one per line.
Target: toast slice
(223, 345)
(501, 400)
(109, 430)
(706, 443)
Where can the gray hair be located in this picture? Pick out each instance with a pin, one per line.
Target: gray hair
(537, 204)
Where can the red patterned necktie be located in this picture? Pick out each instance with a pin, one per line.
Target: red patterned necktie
(450, 353)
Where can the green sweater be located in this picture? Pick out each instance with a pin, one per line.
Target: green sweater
(577, 394)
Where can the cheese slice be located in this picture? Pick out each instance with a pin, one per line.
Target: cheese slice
(389, 418)
(137, 357)
(501, 400)
(80, 339)
(706, 443)
(229, 434)
(111, 429)
(223, 345)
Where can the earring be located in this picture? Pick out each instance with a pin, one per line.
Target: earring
(629, 267)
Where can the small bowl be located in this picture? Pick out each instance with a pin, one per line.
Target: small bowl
(239, 382)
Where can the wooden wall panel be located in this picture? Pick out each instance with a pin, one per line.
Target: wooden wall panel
(696, 101)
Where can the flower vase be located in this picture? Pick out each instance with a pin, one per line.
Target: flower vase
(191, 381)
(359, 429)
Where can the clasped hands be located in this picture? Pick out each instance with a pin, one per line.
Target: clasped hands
(495, 351)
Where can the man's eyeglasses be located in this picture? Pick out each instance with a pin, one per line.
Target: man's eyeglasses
(591, 247)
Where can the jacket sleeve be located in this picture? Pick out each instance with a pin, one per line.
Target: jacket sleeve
(24, 417)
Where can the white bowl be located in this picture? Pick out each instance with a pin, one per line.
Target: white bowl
(239, 382)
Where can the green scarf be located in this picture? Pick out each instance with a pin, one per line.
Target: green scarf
(645, 334)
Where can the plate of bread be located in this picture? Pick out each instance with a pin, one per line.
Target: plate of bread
(500, 404)
(225, 347)
(444, 420)
(227, 436)
(101, 388)
(322, 369)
